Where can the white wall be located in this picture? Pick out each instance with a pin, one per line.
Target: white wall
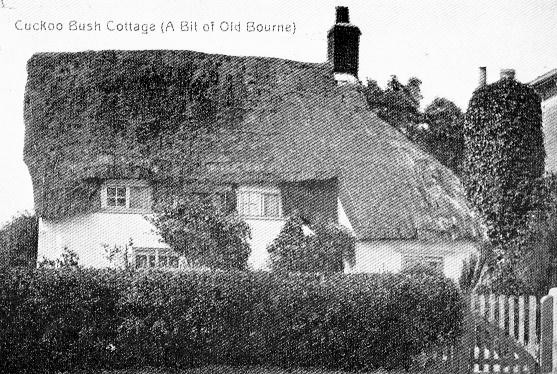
(549, 110)
(386, 255)
(86, 233)
(263, 231)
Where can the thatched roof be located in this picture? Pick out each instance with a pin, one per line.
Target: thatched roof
(269, 120)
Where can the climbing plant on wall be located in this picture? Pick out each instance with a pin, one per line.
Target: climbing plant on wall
(504, 156)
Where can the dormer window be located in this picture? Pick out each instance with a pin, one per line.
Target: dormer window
(133, 196)
(259, 202)
(117, 196)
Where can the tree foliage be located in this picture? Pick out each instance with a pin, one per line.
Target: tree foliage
(504, 155)
(397, 104)
(201, 230)
(438, 130)
(19, 241)
(538, 265)
(443, 135)
(323, 248)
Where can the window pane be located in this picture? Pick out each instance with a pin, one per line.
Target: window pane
(140, 261)
(139, 198)
(230, 203)
(270, 205)
(152, 262)
(173, 261)
(250, 203)
(254, 208)
(219, 200)
(163, 261)
(116, 196)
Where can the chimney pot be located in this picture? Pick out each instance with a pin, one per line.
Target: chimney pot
(342, 14)
(343, 41)
(483, 76)
(507, 73)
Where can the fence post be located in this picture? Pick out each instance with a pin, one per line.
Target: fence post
(548, 341)
(465, 346)
(532, 313)
(553, 293)
(546, 332)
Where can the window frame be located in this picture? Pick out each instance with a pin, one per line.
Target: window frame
(128, 185)
(260, 191)
(148, 252)
(117, 196)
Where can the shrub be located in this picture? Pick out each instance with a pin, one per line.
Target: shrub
(68, 259)
(203, 232)
(57, 320)
(68, 319)
(325, 249)
(19, 240)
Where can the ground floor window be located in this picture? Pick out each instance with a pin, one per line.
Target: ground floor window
(434, 263)
(145, 258)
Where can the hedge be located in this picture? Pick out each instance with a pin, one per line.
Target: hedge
(59, 320)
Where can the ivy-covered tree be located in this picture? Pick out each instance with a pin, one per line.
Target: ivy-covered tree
(504, 156)
(443, 135)
(319, 248)
(199, 228)
(538, 265)
(19, 241)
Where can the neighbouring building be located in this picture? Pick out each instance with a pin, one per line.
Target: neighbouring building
(286, 136)
(546, 86)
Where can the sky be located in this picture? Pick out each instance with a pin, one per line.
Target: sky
(441, 42)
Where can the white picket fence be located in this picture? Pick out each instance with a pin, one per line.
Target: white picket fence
(515, 317)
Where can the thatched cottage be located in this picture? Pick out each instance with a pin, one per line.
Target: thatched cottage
(546, 86)
(109, 132)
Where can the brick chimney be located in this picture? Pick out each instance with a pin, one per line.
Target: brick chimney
(482, 81)
(343, 47)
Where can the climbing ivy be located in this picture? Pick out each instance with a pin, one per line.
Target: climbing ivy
(504, 155)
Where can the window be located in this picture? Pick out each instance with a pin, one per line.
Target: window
(430, 262)
(116, 196)
(122, 196)
(145, 258)
(260, 202)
